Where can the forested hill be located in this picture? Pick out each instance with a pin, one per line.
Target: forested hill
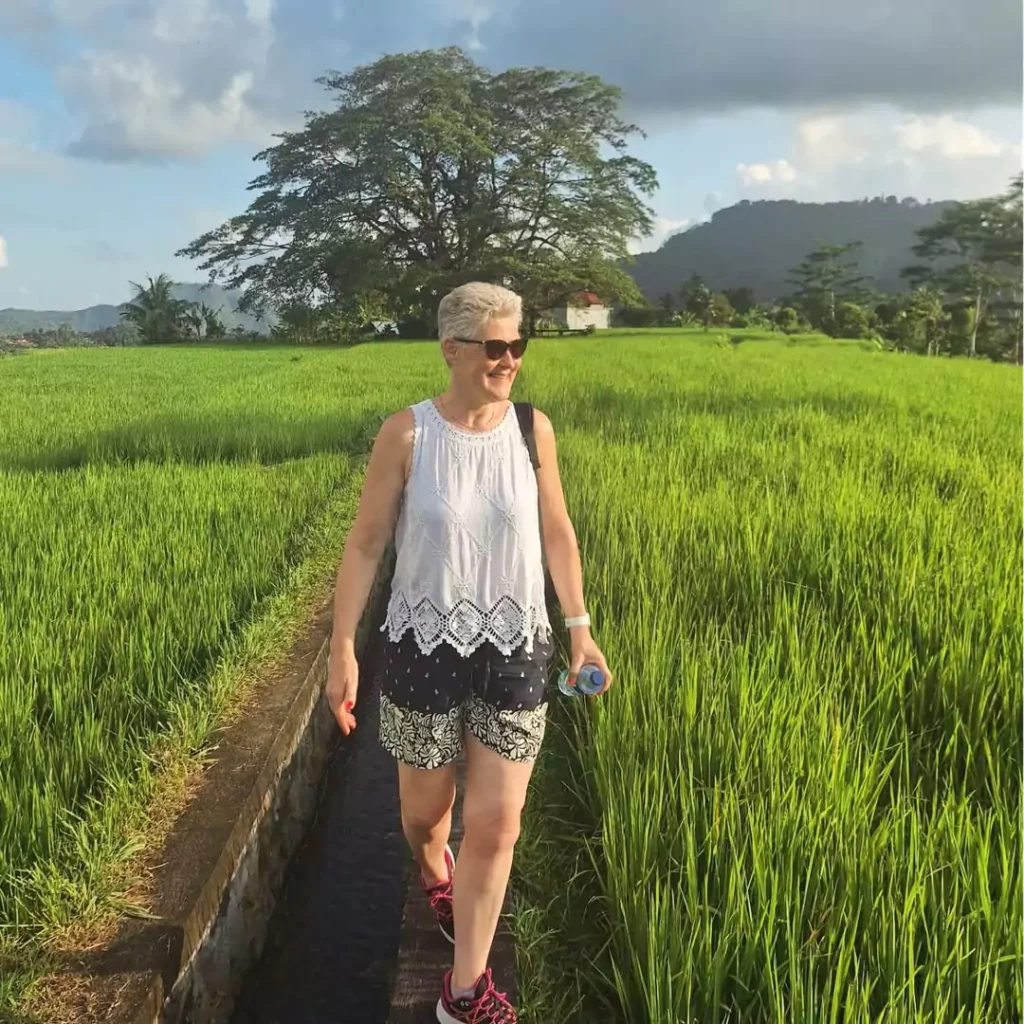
(755, 244)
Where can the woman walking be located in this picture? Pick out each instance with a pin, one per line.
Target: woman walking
(468, 639)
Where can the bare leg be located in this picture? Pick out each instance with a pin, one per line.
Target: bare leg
(426, 797)
(494, 797)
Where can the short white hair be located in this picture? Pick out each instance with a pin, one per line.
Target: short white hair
(465, 310)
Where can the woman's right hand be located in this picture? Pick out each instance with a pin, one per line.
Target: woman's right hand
(342, 686)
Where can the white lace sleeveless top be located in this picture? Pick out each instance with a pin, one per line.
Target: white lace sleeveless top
(469, 562)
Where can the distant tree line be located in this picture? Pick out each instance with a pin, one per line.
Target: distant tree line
(966, 296)
(154, 316)
(65, 336)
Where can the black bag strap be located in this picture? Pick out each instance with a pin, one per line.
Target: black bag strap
(524, 413)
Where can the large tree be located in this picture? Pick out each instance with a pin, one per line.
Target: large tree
(703, 304)
(430, 171)
(973, 259)
(921, 326)
(741, 299)
(698, 299)
(828, 277)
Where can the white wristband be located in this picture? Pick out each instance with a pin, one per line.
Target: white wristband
(579, 620)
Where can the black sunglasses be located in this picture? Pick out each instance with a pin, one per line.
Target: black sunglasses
(495, 348)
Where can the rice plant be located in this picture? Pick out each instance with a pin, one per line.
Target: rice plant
(801, 802)
(154, 505)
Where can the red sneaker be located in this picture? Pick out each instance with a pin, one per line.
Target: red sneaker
(485, 1006)
(440, 896)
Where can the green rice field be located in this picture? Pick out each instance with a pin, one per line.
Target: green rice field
(801, 801)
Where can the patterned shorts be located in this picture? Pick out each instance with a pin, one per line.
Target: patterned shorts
(428, 701)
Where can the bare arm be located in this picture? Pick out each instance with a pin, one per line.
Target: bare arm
(562, 549)
(373, 527)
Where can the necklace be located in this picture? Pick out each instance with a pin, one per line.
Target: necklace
(466, 426)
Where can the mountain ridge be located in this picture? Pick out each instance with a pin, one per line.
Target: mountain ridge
(756, 244)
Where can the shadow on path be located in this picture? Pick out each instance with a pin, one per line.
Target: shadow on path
(333, 941)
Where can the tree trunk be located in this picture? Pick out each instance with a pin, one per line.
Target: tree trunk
(1018, 329)
(974, 327)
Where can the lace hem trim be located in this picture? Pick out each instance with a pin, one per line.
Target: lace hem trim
(507, 625)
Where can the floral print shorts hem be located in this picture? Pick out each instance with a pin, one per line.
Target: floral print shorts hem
(429, 701)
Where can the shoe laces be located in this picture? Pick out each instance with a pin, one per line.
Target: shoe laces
(491, 1006)
(440, 895)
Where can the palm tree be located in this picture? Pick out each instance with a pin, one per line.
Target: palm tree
(192, 320)
(156, 313)
(198, 319)
(212, 323)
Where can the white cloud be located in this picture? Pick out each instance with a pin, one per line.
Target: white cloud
(662, 230)
(182, 22)
(881, 151)
(776, 172)
(171, 78)
(952, 138)
(152, 115)
(829, 140)
(826, 140)
(3, 253)
(260, 11)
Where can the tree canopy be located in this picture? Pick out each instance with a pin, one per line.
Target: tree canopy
(155, 312)
(829, 277)
(430, 171)
(972, 256)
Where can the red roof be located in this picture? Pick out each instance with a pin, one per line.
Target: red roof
(587, 298)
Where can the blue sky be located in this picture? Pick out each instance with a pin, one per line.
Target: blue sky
(127, 127)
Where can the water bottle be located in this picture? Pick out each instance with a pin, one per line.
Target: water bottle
(589, 680)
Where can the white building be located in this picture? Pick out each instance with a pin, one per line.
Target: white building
(583, 309)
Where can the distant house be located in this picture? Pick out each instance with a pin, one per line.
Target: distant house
(583, 309)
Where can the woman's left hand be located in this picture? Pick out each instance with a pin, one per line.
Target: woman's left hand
(586, 652)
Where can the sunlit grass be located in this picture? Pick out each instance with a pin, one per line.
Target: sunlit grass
(801, 801)
(166, 514)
